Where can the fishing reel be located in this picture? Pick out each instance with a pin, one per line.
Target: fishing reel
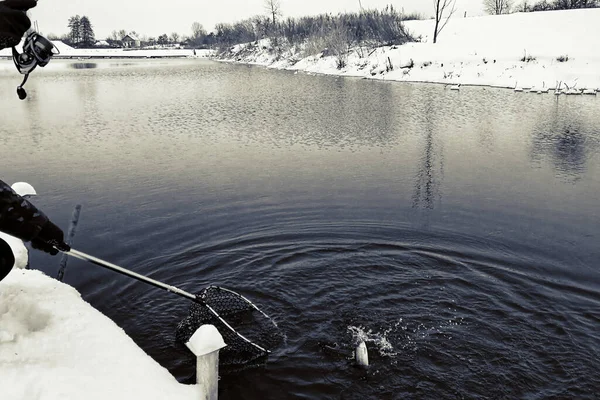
(37, 50)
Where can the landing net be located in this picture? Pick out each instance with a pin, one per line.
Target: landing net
(249, 333)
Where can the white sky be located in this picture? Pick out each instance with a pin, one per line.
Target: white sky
(152, 17)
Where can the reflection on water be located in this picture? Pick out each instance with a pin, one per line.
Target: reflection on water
(441, 226)
(431, 166)
(566, 150)
(83, 65)
(566, 137)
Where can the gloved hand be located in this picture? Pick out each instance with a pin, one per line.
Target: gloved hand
(50, 239)
(7, 259)
(14, 21)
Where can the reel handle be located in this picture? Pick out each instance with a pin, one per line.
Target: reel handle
(20, 91)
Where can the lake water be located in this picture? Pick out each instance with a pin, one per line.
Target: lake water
(457, 232)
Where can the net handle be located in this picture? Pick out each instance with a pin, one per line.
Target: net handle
(169, 288)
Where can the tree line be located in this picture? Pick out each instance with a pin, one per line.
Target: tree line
(376, 27)
(367, 27)
(81, 34)
(507, 6)
(81, 31)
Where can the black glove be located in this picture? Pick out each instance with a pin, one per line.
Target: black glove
(7, 259)
(14, 21)
(50, 240)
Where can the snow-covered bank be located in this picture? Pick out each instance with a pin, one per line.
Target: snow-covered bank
(70, 52)
(54, 345)
(470, 51)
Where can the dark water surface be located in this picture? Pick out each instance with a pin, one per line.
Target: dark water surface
(456, 232)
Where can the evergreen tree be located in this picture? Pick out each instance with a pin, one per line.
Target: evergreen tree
(75, 29)
(86, 31)
(163, 39)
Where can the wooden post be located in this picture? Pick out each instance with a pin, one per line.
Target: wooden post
(205, 344)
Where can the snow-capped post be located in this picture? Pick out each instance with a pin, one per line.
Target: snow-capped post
(205, 344)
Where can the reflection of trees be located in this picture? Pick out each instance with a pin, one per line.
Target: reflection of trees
(35, 119)
(564, 147)
(83, 65)
(431, 169)
(88, 93)
(365, 115)
(564, 140)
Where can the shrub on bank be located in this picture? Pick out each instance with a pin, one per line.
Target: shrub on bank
(548, 5)
(322, 33)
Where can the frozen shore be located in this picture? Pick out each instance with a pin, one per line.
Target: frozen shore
(70, 52)
(558, 46)
(54, 345)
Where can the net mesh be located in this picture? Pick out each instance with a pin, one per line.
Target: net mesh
(244, 319)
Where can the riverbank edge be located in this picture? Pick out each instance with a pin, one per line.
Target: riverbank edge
(432, 82)
(521, 51)
(288, 64)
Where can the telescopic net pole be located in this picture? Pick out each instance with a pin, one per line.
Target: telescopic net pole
(131, 274)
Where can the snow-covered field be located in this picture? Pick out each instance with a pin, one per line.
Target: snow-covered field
(483, 50)
(55, 346)
(68, 51)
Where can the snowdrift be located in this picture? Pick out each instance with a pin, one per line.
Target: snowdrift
(54, 345)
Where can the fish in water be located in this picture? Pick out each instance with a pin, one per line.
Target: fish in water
(361, 355)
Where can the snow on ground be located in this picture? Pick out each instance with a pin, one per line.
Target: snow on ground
(70, 52)
(483, 50)
(55, 346)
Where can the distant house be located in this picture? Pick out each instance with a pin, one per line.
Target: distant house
(130, 41)
(102, 43)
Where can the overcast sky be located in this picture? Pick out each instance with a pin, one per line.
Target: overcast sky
(153, 17)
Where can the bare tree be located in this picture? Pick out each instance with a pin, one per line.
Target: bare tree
(174, 37)
(198, 33)
(273, 7)
(570, 4)
(198, 30)
(443, 10)
(497, 7)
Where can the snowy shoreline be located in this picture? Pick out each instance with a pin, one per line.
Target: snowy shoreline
(68, 52)
(529, 51)
(54, 345)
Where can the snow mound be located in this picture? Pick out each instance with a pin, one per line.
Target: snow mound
(54, 345)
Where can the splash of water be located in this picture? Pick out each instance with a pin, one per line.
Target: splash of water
(379, 339)
(401, 336)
